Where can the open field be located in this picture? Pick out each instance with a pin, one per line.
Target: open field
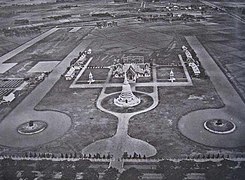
(159, 126)
(88, 123)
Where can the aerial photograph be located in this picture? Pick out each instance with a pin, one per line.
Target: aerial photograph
(122, 89)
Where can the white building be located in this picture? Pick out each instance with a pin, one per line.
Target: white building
(9, 98)
(70, 74)
(195, 69)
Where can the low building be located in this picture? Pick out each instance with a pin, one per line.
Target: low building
(188, 54)
(70, 74)
(9, 98)
(132, 70)
(195, 69)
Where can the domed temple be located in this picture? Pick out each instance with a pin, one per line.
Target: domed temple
(126, 98)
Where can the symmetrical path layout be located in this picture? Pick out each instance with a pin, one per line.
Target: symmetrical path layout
(58, 123)
(188, 81)
(191, 125)
(121, 142)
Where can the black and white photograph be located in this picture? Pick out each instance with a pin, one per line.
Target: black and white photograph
(122, 90)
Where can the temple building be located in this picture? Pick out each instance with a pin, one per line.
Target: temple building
(126, 98)
(132, 71)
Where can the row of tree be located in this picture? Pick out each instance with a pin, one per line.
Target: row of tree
(134, 156)
(66, 155)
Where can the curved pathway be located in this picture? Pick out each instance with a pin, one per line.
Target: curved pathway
(58, 123)
(121, 142)
(191, 125)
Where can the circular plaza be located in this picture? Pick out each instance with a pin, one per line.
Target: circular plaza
(145, 102)
(213, 127)
(32, 127)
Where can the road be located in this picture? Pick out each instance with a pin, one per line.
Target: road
(121, 142)
(238, 18)
(191, 125)
(58, 123)
(26, 45)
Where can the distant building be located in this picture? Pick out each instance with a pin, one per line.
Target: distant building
(120, 1)
(105, 24)
(133, 59)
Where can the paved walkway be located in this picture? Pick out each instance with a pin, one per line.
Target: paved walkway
(191, 125)
(81, 72)
(145, 84)
(58, 123)
(238, 18)
(188, 81)
(121, 142)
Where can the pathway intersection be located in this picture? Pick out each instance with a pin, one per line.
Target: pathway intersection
(118, 144)
(121, 142)
(25, 111)
(191, 125)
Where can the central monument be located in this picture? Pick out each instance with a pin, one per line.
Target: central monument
(126, 98)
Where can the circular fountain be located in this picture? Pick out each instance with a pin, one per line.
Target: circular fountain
(32, 127)
(219, 126)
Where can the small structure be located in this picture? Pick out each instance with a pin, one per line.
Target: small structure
(195, 69)
(32, 127)
(132, 71)
(105, 24)
(70, 74)
(81, 60)
(171, 76)
(41, 77)
(126, 98)
(191, 62)
(90, 78)
(9, 98)
(89, 51)
(133, 59)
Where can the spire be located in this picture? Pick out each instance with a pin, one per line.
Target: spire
(126, 98)
(125, 79)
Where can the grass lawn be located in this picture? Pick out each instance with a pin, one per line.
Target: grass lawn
(88, 123)
(159, 126)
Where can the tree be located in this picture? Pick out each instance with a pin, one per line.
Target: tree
(130, 174)
(90, 174)
(125, 155)
(110, 174)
